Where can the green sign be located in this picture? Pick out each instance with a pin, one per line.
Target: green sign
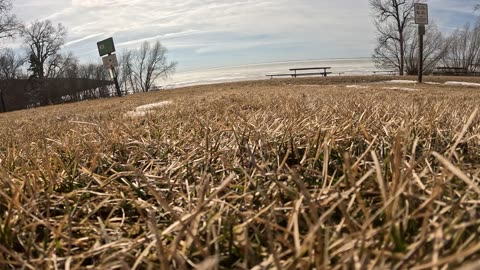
(106, 46)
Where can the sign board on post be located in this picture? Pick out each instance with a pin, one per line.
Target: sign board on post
(106, 46)
(421, 18)
(110, 61)
(421, 13)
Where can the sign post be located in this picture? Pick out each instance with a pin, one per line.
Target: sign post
(421, 18)
(107, 47)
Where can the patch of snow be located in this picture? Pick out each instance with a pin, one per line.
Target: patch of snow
(400, 88)
(357, 86)
(143, 110)
(433, 83)
(149, 107)
(401, 81)
(462, 83)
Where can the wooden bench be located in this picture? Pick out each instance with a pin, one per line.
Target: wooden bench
(452, 70)
(324, 73)
(295, 74)
(278, 75)
(388, 72)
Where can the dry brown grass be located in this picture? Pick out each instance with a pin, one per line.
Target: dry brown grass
(286, 174)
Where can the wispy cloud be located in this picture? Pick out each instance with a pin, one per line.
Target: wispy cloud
(226, 32)
(72, 42)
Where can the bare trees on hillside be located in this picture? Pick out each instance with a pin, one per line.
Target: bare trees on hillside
(463, 50)
(10, 64)
(8, 22)
(125, 71)
(463, 47)
(140, 69)
(62, 66)
(10, 68)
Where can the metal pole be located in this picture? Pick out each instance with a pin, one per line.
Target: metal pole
(421, 32)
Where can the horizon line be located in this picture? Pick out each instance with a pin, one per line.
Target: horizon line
(275, 62)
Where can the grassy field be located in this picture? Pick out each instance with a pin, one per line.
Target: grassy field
(278, 174)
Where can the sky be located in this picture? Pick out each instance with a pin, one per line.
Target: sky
(214, 33)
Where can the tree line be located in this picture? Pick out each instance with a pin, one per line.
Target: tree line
(42, 59)
(397, 41)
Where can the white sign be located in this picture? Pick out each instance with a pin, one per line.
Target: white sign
(421, 13)
(110, 61)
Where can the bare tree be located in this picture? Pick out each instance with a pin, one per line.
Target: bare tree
(98, 73)
(125, 72)
(392, 19)
(10, 69)
(8, 22)
(463, 50)
(10, 64)
(434, 49)
(43, 41)
(62, 66)
(149, 64)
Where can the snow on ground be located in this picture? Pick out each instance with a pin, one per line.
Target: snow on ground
(151, 106)
(462, 83)
(145, 109)
(401, 81)
(436, 83)
(400, 88)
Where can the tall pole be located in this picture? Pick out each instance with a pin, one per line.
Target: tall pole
(421, 32)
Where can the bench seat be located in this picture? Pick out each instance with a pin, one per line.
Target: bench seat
(280, 75)
(312, 73)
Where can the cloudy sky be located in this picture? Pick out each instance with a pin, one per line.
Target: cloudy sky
(213, 33)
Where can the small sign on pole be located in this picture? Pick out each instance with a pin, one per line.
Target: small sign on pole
(421, 13)
(110, 61)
